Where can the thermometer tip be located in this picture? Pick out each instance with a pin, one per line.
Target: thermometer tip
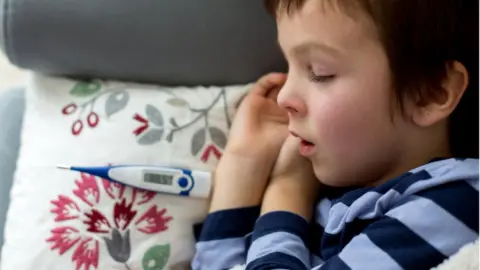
(63, 167)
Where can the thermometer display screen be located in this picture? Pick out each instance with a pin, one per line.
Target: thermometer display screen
(160, 179)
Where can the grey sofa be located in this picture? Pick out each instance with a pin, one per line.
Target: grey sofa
(11, 111)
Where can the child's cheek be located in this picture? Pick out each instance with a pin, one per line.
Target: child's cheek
(344, 127)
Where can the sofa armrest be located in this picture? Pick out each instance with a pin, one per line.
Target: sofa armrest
(11, 115)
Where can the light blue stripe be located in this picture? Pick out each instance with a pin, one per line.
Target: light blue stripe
(473, 182)
(219, 254)
(370, 205)
(337, 218)
(436, 226)
(363, 206)
(323, 212)
(452, 170)
(361, 253)
(389, 200)
(283, 242)
(437, 168)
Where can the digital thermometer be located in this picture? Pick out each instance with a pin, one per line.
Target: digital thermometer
(169, 180)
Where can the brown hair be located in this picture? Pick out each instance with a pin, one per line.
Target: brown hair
(422, 37)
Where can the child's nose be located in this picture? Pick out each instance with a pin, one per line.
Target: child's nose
(292, 103)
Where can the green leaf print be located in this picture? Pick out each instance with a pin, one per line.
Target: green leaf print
(85, 88)
(156, 257)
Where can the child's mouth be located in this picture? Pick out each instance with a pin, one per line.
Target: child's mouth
(306, 148)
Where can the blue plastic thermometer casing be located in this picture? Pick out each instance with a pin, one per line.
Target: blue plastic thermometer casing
(176, 181)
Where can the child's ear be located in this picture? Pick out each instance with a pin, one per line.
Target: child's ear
(439, 108)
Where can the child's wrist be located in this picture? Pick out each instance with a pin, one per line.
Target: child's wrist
(260, 155)
(238, 182)
(291, 196)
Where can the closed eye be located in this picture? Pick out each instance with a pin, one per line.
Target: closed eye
(320, 78)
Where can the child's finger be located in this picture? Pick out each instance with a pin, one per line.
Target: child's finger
(268, 82)
(273, 93)
(291, 144)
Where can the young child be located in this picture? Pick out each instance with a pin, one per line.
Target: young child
(380, 104)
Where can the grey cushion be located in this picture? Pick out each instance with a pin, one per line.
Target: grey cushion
(189, 42)
(11, 114)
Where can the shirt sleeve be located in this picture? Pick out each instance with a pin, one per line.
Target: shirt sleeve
(221, 243)
(423, 231)
(279, 242)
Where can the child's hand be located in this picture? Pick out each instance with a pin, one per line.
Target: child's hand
(290, 164)
(259, 129)
(260, 125)
(293, 186)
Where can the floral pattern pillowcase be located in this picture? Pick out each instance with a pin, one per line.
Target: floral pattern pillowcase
(68, 220)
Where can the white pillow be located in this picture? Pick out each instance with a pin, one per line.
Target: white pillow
(67, 220)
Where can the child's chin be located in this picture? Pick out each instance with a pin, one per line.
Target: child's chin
(322, 176)
(329, 179)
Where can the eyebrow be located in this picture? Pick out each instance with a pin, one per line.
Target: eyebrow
(306, 47)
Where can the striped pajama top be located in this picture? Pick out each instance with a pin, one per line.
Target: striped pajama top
(414, 221)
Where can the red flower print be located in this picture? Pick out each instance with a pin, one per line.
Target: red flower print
(63, 238)
(113, 190)
(69, 108)
(87, 189)
(116, 100)
(93, 119)
(209, 150)
(84, 211)
(66, 209)
(145, 196)
(144, 123)
(153, 221)
(123, 214)
(97, 222)
(77, 127)
(86, 254)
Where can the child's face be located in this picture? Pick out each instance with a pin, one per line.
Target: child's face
(339, 95)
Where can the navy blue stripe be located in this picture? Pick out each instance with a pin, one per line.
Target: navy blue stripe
(335, 263)
(276, 260)
(349, 198)
(441, 158)
(459, 199)
(197, 231)
(333, 193)
(400, 184)
(229, 223)
(281, 221)
(332, 244)
(410, 180)
(316, 234)
(348, 195)
(407, 248)
(248, 241)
